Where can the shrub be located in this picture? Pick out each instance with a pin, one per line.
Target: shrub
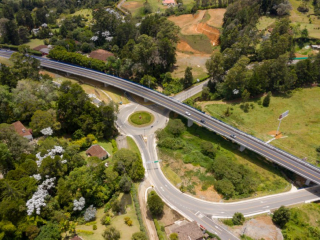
(139, 236)
(128, 221)
(174, 236)
(176, 127)
(318, 149)
(116, 206)
(266, 100)
(111, 234)
(161, 235)
(106, 219)
(85, 232)
(91, 223)
(94, 227)
(238, 218)
(281, 216)
(135, 199)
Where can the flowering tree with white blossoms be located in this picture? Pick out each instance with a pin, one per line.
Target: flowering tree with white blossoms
(36, 176)
(47, 131)
(51, 153)
(79, 205)
(37, 200)
(90, 213)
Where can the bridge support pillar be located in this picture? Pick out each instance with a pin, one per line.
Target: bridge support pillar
(242, 148)
(307, 182)
(190, 123)
(145, 100)
(105, 85)
(68, 74)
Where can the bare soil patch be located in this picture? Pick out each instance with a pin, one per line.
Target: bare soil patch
(210, 194)
(216, 17)
(169, 216)
(131, 6)
(183, 46)
(260, 227)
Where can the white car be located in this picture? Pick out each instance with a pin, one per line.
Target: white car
(188, 113)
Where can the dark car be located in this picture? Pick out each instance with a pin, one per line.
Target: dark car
(202, 121)
(233, 136)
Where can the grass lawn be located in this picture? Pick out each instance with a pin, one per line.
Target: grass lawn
(301, 127)
(265, 22)
(199, 42)
(85, 12)
(6, 61)
(97, 234)
(141, 118)
(118, 221)
(107, 146)
(136, 6)
(35, 43)
(304, 20)
(133, 146)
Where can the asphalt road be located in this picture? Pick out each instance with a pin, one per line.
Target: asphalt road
(280, 157)
(204, 212)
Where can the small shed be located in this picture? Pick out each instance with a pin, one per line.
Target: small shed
(97, 151)
(101, 54)
(44, 49)
(22, 130)
(190, 231)
(315, 47)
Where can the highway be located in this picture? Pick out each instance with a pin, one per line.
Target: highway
(278, 156)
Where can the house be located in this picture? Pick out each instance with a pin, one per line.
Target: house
(315, 47)
(97, 151)
(189, 231)
(22, 130)
(76, 237)
(101, 54)
(44, 49)
(168, 3)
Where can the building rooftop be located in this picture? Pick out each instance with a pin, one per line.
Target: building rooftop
(97, 151)
(21, 130)
(190, 231)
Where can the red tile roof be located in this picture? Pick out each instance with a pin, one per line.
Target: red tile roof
(97, 151)
(21, 130)
(38, 48)
(101, 54)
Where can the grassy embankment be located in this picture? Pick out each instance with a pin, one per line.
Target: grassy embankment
(301, 128)
(200, 183)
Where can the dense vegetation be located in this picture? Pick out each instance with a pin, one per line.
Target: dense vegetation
(253, 62)
(230, 178)
(48, 186)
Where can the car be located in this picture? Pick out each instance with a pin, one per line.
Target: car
(188, 113)
(233, 136)
(202, 121)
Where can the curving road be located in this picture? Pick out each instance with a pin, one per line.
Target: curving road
(203, 212)
(278, 156)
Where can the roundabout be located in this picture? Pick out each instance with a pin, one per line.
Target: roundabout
(141, 119)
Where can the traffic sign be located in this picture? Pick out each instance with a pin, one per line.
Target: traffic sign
(283, 115)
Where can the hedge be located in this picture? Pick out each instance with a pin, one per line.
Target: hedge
(161, 235)
(14, 47)
(84, 232)
(135, 199)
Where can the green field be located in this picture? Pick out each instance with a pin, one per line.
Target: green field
(133, 146)
(301, 128)
(6, 61)
(199, 42)
(141, 118)
(136, 6)
(265, 22)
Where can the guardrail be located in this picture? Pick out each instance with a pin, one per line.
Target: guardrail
(192, 108)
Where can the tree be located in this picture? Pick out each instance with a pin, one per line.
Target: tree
(111, 234)
(238, 218)
(225, 187)
(90, 213)
(63, 30)
(148, 81)
(155, 204)
(139, 236)
(208, 149)
(6, 161)
(215, 67)
(266, 100)
(174, 236)
(12, 36)
(125, 184)
(281, 216)
(188, 78)
(176, 127)
(32, 232)
(51, 231)
(43, 119)
(23, 33)
(245, 95)
(304, 33)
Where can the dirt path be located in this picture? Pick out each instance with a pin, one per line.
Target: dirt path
(122, 142)
(148, 221)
